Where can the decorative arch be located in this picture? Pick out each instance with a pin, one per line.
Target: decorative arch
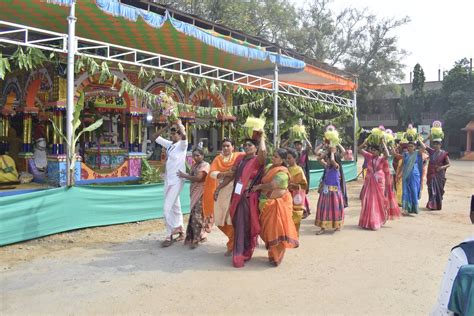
(12, 92)
(39, 80)
(85, 80)
(158, 84)
(201, 95)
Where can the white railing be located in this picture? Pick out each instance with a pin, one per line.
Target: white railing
(17, 34)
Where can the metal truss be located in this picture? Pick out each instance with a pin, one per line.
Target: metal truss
(17, 34)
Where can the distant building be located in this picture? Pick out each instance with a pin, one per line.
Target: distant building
(380, 108)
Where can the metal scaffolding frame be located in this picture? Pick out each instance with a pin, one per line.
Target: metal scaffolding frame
(17, 34)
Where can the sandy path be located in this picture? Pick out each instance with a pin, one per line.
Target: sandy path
(122, 270)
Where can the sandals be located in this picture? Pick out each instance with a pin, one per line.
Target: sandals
(320, 232)
(168, 242)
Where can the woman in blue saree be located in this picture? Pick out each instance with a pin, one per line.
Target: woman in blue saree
(412, 171)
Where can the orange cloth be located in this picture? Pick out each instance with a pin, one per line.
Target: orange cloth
(210, 185)
(277, 230)
(228, 230)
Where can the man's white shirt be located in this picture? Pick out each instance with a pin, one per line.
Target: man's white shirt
(175, 158)
(456, 259)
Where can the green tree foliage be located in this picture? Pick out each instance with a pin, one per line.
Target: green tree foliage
(457, 96)
(353, 39)
(411, 106)
(455, 101)
(272, 20)
(418, 80)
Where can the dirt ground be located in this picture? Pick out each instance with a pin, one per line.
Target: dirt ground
(122, 270)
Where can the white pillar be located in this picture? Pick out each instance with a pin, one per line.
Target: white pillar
(275, 103)
(354, 107)
(71, 50)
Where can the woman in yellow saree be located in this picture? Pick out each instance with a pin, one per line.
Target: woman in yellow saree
(277, 228)
(297, 186)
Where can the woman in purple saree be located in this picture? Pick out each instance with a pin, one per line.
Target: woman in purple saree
(436, 179)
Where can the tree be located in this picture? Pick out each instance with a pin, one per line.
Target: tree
(418, 80)
(411, 106)
(272, 20)
(458, 96)
(355, 40)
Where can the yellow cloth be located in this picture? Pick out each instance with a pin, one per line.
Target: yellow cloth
(8, 172)
(399, 182)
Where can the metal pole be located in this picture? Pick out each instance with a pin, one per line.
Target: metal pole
(354, 106)
(275, 103)
(71, 50)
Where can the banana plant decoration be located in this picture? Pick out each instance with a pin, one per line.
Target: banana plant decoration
(71, 147)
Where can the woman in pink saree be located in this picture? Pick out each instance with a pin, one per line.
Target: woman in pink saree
(247, 172)
(378, 200)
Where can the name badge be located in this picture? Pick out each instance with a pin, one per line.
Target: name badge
(238, 188)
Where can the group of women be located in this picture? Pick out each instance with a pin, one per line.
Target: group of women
(394, 179)
(245, 198)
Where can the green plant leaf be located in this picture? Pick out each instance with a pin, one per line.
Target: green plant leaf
(58, 132)
(89, 128)
(213, 88)
(79, 66)
(189, 84)
(122, 88)
(94, 67)
(142, 73)
(104, 72)
(120, 67)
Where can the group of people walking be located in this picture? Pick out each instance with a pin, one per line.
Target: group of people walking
(394, 178)
(246, 198)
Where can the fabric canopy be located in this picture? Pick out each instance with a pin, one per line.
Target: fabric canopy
(310, 77)
(116, 23)
(112, 22)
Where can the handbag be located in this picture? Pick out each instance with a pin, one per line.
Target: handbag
(298, 197)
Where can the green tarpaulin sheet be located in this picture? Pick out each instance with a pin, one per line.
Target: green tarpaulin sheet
(47, 212)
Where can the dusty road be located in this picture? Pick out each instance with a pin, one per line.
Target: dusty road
(122, 270)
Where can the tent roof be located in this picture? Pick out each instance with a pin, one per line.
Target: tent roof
(469, 126)
(117, 23)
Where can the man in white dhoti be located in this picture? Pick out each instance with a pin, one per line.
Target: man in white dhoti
(176, 149)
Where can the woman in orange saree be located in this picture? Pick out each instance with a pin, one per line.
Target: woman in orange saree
(217, 212)
(277, 228)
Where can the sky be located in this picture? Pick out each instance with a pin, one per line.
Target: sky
(440, 32)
